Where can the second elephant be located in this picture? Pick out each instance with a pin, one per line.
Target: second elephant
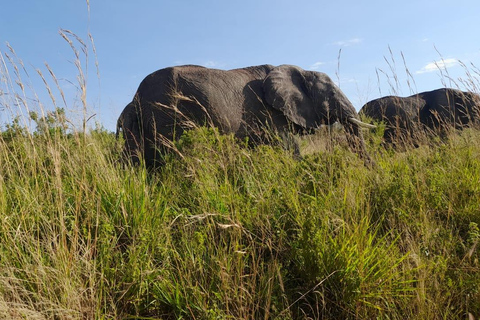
(408, 118)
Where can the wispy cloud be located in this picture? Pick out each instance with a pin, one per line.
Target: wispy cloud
(214, 64)
(348, 43)
(438, 65)
(344, 81)
(316, 65)
(348, 80)
(210, 64)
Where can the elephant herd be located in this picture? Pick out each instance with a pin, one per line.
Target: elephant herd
(256, 101)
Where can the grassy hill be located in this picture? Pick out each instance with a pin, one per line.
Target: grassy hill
(227, 232)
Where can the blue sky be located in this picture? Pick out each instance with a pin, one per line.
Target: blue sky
(359, 44)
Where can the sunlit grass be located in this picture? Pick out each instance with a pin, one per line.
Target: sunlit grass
(229, 232)
(233, 232)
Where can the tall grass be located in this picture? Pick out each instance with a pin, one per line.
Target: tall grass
(228, 232)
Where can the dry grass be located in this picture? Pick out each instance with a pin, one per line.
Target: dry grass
(228, 232)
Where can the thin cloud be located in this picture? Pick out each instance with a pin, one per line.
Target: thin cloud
(316, 65)
(210, 64)
(214, 64)
(348, 43)
(348, 80)
(345, 81)
(438, 65)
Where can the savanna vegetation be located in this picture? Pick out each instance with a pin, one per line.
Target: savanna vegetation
(223, 231)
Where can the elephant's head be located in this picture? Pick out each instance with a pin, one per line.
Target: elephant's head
(307, 98)
(310, 99)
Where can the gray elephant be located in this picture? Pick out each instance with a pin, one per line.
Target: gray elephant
(446, 108)
(401, 118)
(246, 101)
(407, 119)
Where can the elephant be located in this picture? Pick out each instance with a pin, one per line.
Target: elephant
(407, 119)
(400, 115)
(450, 108)
(247, 102)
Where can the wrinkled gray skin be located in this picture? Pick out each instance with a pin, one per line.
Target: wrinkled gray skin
(285, 99)
(446, 108)
(428, 112)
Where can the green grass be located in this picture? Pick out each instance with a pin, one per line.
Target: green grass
(223, 231)
(227, 232)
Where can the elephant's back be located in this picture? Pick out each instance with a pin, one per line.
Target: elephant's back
(451, 107)
(254, 72)
(201, 78)
(224, 94)
(156, 86)
(389, 106)
(229, 95)
(376, 108)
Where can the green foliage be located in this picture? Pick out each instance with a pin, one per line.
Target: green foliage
(13, 130)
(227, 232)
(54, 122)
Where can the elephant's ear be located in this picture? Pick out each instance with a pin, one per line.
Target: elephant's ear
(287, 89)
